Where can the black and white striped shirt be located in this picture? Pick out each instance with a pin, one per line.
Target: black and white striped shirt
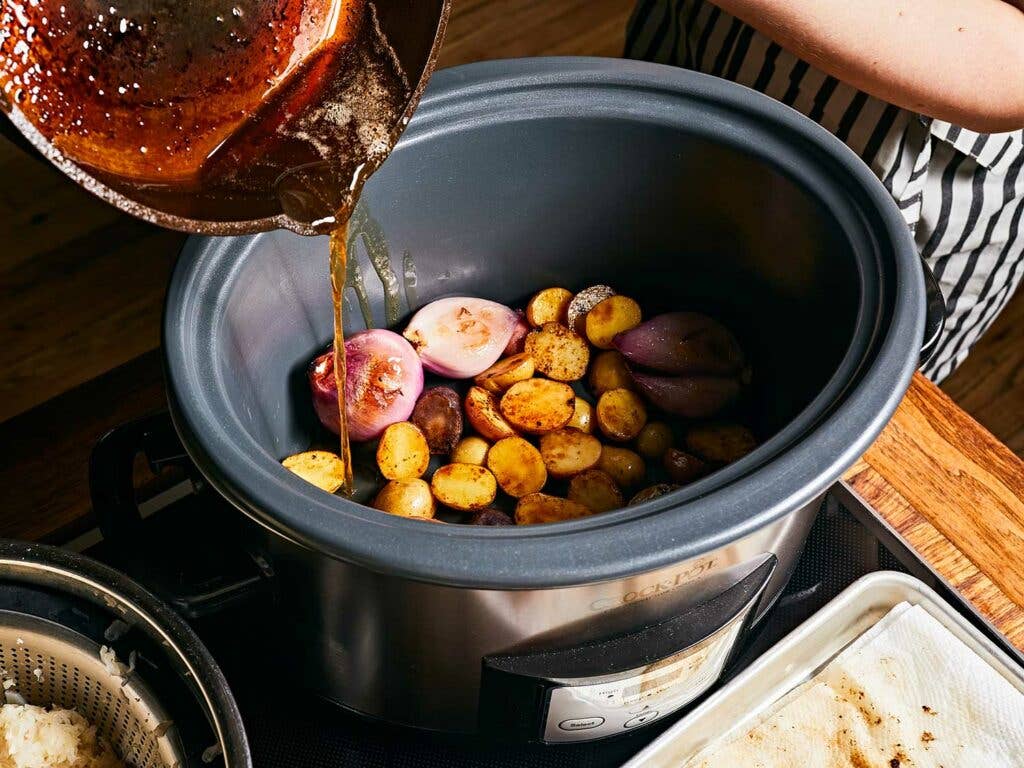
(961, 192)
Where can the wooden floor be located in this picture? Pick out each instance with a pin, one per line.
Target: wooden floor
(81, 285)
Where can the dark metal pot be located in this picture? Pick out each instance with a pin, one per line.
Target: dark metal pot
(679, 189)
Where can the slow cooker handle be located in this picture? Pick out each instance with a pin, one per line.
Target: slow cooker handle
(935, 313)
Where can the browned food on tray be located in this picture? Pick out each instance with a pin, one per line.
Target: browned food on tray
(596, 490)
(544, 508)
(485, 416)
(621, 414)
(549, 306)
(558, 353)
(568, 451)
(537, 406)
(517, 466)
(465, 487)
(438, 414)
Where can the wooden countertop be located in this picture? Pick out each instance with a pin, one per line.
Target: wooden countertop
(81, 287)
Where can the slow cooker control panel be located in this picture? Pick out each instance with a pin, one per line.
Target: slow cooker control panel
(607, 688)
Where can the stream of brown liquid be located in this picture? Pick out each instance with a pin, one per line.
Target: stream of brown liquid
(339, 271)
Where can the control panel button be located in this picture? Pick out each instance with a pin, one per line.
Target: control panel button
(581, 723)
(639, 720)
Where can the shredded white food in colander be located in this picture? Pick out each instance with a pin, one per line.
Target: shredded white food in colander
(34, 737)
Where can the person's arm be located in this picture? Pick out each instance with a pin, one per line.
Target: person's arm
(961, 61)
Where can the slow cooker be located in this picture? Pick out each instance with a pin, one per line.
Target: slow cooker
(676, 188)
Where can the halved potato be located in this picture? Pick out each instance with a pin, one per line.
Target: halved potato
(652, 492)
(609, 372)
(504, 373)
(517, 466)
(558, 353)
(403, 453)
(543, 508)
(582, 303)
(485, 416)
(538, 405)
(621, 414)
(466, 487)
(406, 498)
(567, 452)
(723, 443)
(323, 469)
(549, 306)
(654, 439)
(595, 490)
(582, 416)
(624, 466)
(470, 450)
(684, 467)
(612, 316)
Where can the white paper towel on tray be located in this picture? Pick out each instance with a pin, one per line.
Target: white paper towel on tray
(906, 694)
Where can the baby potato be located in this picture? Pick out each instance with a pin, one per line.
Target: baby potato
(596, 490)
(654, 439)
(466, 487)
(538, 405)
(652, 492)
(582, 303)
(490, 516)
(549, 306)
(721, 443)
(609, 372)
(471, 450)
(439, 416)
(504, 373)
(485, 416)
(558, 353)
(542, 508)
(567, 452)
(684, 467)
(403, 453)
(582, 416)
(624, 466)
(321, 468)
(610, 317)
(406, 498)
(517, 466)
(621, 414)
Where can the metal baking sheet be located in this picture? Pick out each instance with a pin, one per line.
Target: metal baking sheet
(802, 654)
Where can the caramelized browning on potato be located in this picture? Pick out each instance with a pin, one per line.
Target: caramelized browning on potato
(538, 405)
(582, 416)
(403, 453)
(465, 487)
(582, 303)
(471, 450)
(652, 492)
(721, 443)
(612, 316)
(684, 467)
(558, 353)
(542, 508)
(621, 414)
(485, 416)
(624, 466)
(654, 439)
(406, 498)
(568, 451)
(549, 306)
(595, 490)
(491, 516)
(439, 416)
(504, 373)
(323, 469)
(517, 466)
(609, 372)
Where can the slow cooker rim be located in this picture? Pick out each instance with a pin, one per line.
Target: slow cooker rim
(537, 557)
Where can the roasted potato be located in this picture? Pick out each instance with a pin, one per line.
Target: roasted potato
(542, 508)
(621, 414)
(465, 487)
(490, 516)
(406, 498)
(403, 453)
(609, 372)
(595, 490)
(558, 353)
(517, 466)
(439, 416)
(485, 416)
(624, 466)
(470, 450)
(549, 306)
(684, 467)
(652, 492)
(582, 416)
(654, 439)
(567, 452)
(323, 469)
(538, 405)
(720, 443)
(610, 317)
(582, 303)
(504, 373)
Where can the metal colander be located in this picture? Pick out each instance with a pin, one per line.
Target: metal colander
(77, 635)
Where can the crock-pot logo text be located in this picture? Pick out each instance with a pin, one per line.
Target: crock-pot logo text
(656, 588)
